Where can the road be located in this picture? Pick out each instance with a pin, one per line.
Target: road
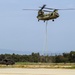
(25, 71)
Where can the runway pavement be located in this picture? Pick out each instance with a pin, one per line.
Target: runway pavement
(25, 71)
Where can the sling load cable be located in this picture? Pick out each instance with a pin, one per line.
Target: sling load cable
(46, 39)
(45, 48)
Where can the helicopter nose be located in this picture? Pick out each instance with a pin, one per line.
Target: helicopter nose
(57, 14)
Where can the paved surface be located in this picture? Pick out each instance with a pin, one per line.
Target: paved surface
(22, 71)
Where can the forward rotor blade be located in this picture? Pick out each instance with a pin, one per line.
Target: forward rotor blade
(60, 9)
(67, 9)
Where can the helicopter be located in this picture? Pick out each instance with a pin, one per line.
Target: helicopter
(51, 15)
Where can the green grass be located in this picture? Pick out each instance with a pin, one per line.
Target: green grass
(26, 63)
(40, 65)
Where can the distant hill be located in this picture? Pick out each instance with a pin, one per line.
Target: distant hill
(8, 51)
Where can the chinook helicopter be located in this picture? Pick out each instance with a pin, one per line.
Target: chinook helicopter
(51, 15)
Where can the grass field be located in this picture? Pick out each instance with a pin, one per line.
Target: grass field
(40, 65)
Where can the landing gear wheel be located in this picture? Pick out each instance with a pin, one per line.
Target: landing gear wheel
(53, 20)
(38, 20)
(44, 20)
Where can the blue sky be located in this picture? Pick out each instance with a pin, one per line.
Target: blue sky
(20, 30)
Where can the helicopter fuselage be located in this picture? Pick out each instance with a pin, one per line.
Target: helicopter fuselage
(48, 16)
(52, 15)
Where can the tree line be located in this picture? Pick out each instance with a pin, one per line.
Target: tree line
(36, 57)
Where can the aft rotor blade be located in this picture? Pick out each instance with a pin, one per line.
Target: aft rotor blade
(43, 7)
(48, 8)
(31, 9)
(36, 10)
(47, 11)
